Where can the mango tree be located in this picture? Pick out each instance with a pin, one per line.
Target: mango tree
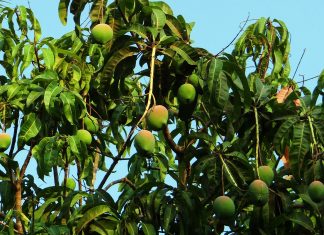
(225, 143)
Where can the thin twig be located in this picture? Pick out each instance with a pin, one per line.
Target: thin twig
(236, 36)
(299, 63)
(308, 79)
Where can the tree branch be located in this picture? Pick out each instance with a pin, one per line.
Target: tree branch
(167, 135)
(26, 162)
(122, 180)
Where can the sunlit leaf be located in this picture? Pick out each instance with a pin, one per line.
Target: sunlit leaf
(63, 10)
(91, 214)
(52, 90)
(29, 128)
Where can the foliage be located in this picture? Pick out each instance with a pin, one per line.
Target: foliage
(212, 147)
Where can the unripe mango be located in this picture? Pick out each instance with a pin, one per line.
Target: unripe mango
(91, 124)
(258, 192)
(224, 207)
(186, 94)
(316, 191)
(157, 117)
(266, 174)
(102, 33)
(193, 79)
(5, 141)
(70, 183)
(144, 142)
(84, 136)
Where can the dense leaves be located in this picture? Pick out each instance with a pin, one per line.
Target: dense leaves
(247, 112)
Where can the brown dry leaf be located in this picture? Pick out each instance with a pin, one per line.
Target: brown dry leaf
(283, 94)
(285, 157)
(297, 102)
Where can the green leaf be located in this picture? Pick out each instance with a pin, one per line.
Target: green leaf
(163, 6)
(48, 57)
(283, 32)
(29, 128)
(319, 129)
(174, 25)
(58, 230)
(6, 192)
(46, 153)
(12, 91)
(29, 53)
(33, 96)
(158, 18)
(74, 144)
(277, 62)
(262, 91)
(127, 7)
(131, 228)
(282, 132)
(299, 147)
(303, 220)
(100, 228)
(63, 10)
(114, 60)
(217, 84)
(68, 100)
(148, 229)
(46, 77)
(91, 214)
(168, 216)
(96, 9)
(35, 25)
(320, 81)
(22, 20)
(52, 90)
(186, 52)
(138, 29)
(39, 213)
(115, 123)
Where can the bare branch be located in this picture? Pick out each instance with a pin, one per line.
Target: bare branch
(122, 180)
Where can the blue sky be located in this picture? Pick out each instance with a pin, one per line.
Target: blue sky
(217, 22)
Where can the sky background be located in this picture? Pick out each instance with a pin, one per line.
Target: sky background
(217, 23)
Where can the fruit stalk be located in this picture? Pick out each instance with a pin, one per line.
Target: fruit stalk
(257, 141)
(95, 169)
(79, 173)
(4, 119)
(312, 132)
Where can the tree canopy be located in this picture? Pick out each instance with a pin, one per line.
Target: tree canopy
(214, 144)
